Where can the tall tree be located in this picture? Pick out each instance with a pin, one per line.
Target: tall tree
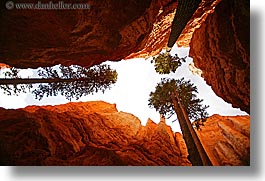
(179, 97)
(165, 63)
(184, 12)
(71, 82)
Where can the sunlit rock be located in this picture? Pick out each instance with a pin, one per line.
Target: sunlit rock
(226, 139)
(91, 133)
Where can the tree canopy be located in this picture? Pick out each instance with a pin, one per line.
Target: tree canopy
(162, 101)
(13, 89)
(165, 63)
(71, 82)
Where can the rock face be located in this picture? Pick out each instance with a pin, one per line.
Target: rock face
(92, 133)
(3, 66)
(205, 8)
(226, 140)
(109, 30)
(220, 47)
(95, 133)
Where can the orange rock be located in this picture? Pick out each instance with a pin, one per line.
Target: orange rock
(95, 133)
(206, 7)
(110, 30)
(226, 139)
(85, 133)
(220, 48)
(2, 66)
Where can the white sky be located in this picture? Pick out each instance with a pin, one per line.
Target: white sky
(136, 79)
(258, 103)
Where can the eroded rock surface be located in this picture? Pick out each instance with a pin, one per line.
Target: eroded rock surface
(91, 133)
(220, 48)
(205, 8)
(226, 140)
(95, 133)
(109, 30)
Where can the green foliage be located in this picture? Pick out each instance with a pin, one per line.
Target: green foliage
(162, 101)
(14, 89)
(83, 81)
(71, 82)
(165, 63)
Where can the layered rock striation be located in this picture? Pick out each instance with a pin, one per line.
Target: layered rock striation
(226, 139)
(91, 133)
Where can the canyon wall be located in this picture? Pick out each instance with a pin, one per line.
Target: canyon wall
(109, 30)
(218, 37)
(220, 47)
(96, 133)
(205, 8)
(91, 133)
(226, 140)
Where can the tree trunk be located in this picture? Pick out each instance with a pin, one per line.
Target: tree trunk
(204, 157)
(197, 154)
(35, 81)
(185, 10)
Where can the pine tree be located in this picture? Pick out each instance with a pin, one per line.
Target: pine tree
(179, 97)
(183, 14)
(71, 82)
(165, 63)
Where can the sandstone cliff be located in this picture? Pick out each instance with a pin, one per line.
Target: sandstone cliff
(92, 133)
(226, 140)
(205, 8)
(95, 133)
(109, 30)
(220, 47)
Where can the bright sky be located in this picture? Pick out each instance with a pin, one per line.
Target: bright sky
(136, 79)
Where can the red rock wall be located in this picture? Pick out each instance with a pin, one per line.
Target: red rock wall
(95, 133)
(110, 30)
(3, 66)
(92, 133)
(226, 140)
(220, 48)
(205, 8)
